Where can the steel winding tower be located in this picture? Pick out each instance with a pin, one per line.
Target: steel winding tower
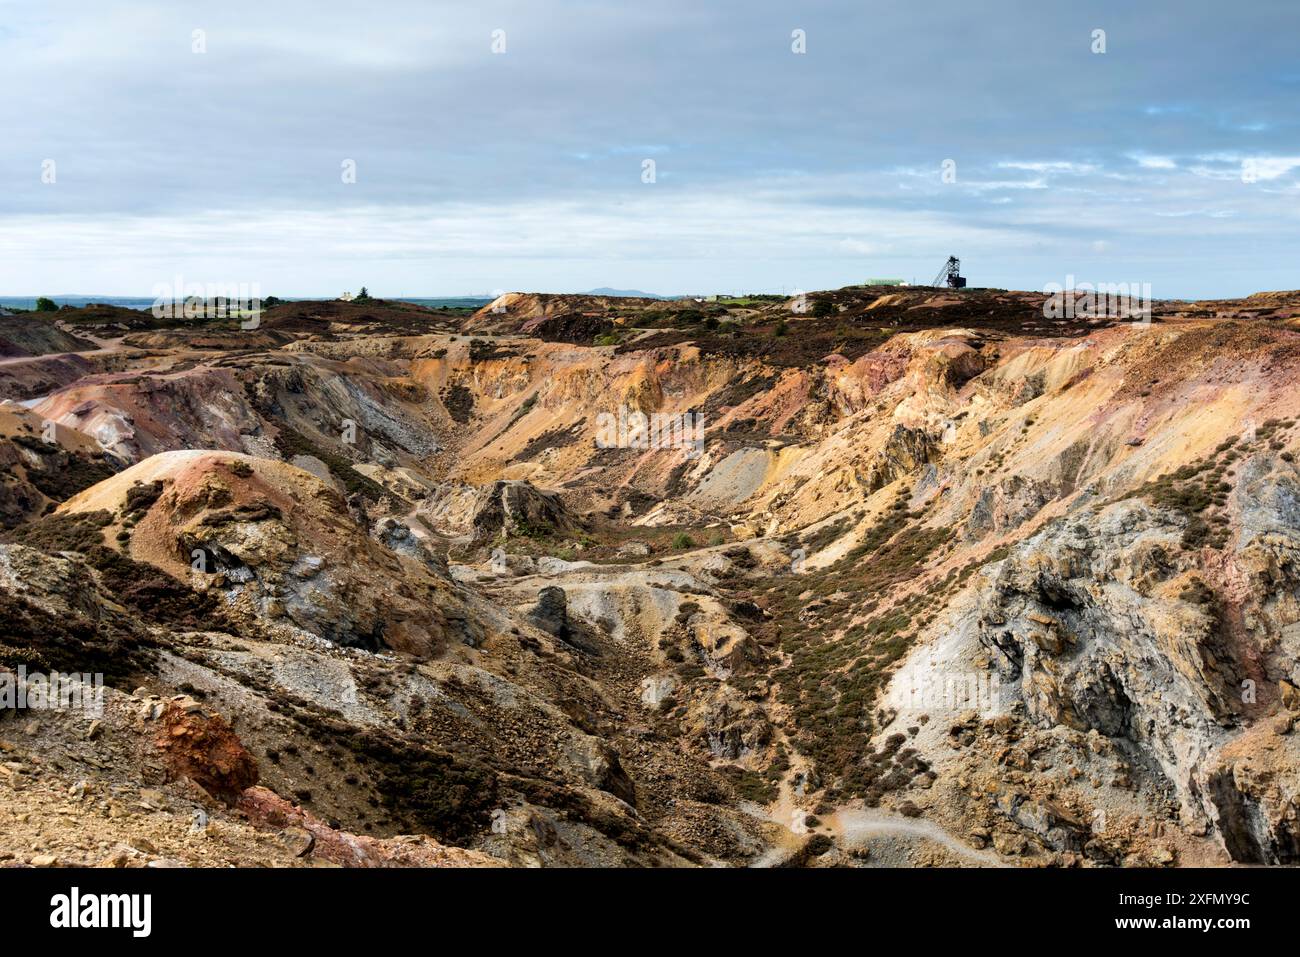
(950, 275)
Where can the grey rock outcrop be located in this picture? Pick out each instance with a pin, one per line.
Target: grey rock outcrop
(398, 537)
(551, 613)
(1102, 622)
(517, 508)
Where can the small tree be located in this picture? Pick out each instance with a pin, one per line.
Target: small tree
(45, 304)
(363, 295)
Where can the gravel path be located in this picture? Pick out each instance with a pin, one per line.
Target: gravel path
(857, 826)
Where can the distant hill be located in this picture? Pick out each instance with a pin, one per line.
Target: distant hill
(624, 293)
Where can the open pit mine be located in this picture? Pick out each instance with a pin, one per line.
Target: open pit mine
(902, 577)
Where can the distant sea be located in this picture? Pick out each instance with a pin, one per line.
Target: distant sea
(127, 302)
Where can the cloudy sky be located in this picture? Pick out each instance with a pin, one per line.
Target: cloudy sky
(1172, 158)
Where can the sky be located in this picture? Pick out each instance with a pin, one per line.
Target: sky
(672, 146)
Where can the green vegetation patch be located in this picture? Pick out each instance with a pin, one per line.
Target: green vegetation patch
(836, 670)
(290, 442)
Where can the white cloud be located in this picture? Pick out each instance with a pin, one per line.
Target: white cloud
(1053, 166)
(1229, 166)
(1186, 213)
(1037, 182)
(1153, 162)
(1272, 167)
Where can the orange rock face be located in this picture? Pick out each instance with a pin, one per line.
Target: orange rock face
(205, 749)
